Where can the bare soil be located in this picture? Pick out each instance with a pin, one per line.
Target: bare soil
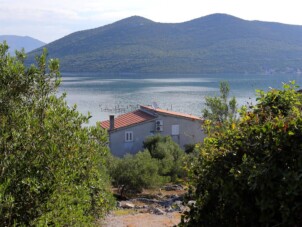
(142, 220)
(141, 217)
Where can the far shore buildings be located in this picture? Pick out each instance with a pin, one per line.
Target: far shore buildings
(128, 131)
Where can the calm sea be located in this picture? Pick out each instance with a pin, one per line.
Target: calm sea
(102, 95)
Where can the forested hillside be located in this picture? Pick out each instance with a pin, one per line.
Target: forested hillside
(212, 44)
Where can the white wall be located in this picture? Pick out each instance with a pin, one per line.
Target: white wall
(190, 130)
(119, 147)
(190, 133)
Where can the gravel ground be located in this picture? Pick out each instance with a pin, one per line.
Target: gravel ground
(148, 209)
(142, 220)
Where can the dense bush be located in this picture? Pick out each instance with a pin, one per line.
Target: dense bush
(189, 148)
(169, 155)
(51, 168)
(249, 173)
(161, 162)
(134, 172)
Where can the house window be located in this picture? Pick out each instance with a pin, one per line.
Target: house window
(175, 130)
(128, 136)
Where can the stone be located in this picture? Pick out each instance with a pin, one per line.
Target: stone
(175, 187)
(127, 205)
(158, 211)
(169, 209)
(191, 203)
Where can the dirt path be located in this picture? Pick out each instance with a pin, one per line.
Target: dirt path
(151, 208)
(142, 220)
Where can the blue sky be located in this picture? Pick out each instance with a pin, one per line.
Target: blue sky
(49, 20)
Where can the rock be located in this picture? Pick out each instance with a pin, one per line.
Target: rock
(158, 211)
(127, 205)
(145, 200)
(169, 209)
(159, 196)
(191, 203)
(177, 206)
(175, 187)
(172, 199)
(178, 203)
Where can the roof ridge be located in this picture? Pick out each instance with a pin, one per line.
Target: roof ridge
(159, 110)
(129, 119)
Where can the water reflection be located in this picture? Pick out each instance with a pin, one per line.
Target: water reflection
(183, 93)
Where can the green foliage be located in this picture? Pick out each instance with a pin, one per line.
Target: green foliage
(162, 161)
(134, 172)
(220, 109)
(249, 173)
(169, 155)
(189, 148)
(51, 168)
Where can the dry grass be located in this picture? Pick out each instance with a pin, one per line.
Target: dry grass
(152, 193)
(122, 212)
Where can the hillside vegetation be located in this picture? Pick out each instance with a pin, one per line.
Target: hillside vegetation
(212, 44)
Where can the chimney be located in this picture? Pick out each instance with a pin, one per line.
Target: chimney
(111, 121)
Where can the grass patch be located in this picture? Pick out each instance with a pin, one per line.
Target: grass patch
(122, 212)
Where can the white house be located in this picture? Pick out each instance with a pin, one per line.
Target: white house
(128, 131)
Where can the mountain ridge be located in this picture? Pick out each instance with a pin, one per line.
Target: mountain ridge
(18, 42)
(211, 44)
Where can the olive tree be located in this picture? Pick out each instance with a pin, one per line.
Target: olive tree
(51, 168)
(169, 155)
(249, 173)
(134, 172)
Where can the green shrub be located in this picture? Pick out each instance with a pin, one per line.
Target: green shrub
(169, 155)
(162, 161)
(189, 148)
(51, 168)
(134, 172)
(249, 173)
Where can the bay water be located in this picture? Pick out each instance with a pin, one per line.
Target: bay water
(106, 94)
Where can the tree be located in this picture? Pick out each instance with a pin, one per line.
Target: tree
(162, 161)
(249, 173)
(219, 109)
(51, 168)
(134, 172)
(169, 155)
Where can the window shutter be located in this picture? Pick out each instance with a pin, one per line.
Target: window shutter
(175, 130)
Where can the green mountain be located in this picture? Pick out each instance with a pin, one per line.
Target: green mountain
(210, 44)
(18, 42)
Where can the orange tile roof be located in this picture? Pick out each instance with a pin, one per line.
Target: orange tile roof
(128, 119)
(158, 110)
